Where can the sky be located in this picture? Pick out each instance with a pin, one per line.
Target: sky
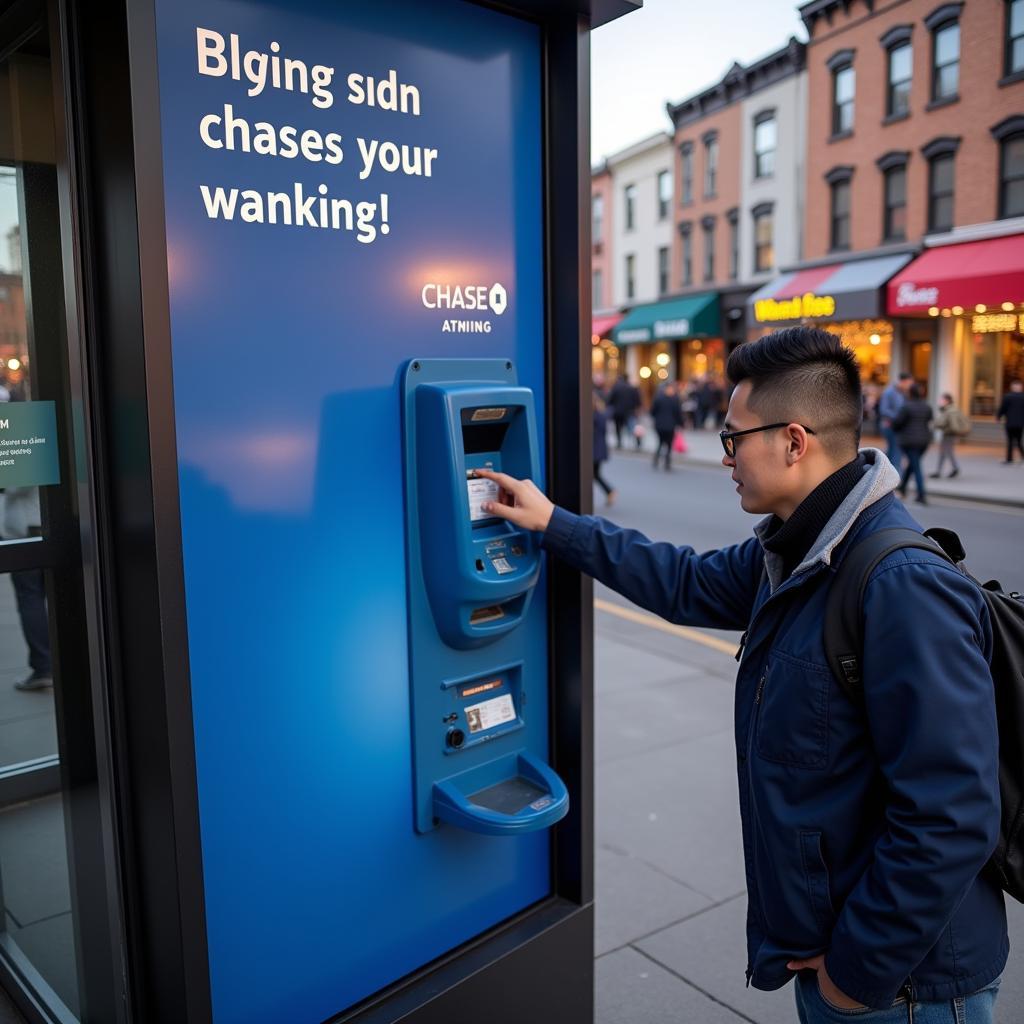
(669, 50)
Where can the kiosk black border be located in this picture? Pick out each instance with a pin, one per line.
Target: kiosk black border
(110, 179)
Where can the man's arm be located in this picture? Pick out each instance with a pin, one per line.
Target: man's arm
(1004, 408)
(716, 589)
(931, 714)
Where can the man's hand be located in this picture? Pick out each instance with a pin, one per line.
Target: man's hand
(828, 989)
(519, 501)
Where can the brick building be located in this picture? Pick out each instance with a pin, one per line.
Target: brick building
(738, 151)
(915, 171)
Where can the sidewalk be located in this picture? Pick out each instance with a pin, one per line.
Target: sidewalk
(671, 899)
(983, 477)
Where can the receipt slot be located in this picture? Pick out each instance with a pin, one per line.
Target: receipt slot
(479, 748)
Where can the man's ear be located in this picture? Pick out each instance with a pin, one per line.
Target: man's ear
(796, 443)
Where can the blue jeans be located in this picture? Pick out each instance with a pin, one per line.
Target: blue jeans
(892, 447)
(813, 1008)
(913, 465)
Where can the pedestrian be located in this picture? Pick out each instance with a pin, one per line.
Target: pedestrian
(1011, 409)
(623, 402)
(952, 424)
(913, 435)
(22, 519)
(867, 823)
(601, 449)
(889, 405)
(667, 414)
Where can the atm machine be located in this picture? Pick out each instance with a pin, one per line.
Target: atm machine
(345, 746)
(475, 651)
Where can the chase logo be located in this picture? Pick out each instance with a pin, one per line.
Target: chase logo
(475, 298)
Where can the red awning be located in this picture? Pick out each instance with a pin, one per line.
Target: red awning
(989, 273)
(602, 325)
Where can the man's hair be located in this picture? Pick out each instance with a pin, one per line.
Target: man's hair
(905, 375)
(804, 375)
(916, 391)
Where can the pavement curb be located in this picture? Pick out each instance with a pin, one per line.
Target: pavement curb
(938, 492)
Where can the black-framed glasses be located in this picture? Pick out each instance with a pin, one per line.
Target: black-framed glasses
(728, 437)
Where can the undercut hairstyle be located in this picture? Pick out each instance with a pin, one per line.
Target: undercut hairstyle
(804, 375)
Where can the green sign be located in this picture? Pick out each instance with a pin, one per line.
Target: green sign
(28, 444)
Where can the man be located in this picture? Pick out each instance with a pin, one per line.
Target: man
(889, 406)
(866, 826)
(667, 415)
(624, 401)
(1012, 410)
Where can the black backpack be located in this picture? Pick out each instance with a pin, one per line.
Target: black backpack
(844, 641)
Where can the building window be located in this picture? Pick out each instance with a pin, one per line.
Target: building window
(764, 144)
(686, 156)
(664, 194)
(894, 222)
(687, 237)
(1011, 176)
(838, 180)
(843, 83)
(663, 264)
(597, 217)
(630, 193)
(764, 238)
(630, 276)
(1014, 37)
(901, 71)
(708, 225)
(733, 216)
(944, 24)
(710, 166)
(597, 290)
(941, 156)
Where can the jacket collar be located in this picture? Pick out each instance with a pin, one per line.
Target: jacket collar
(879, 480)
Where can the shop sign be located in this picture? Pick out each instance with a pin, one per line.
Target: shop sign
(909, 294)
(671, 328)
(633, 335)
(801, 307)
(28, 444)
(997, 323)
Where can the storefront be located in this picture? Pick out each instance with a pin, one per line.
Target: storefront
(970, 296)
(674, 340)
(605, 357)
(847, 299)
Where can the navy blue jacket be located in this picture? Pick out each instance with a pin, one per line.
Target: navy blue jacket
(865, 828)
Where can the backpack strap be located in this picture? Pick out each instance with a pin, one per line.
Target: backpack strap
(844, 606)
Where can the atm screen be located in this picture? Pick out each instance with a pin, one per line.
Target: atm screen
(478, 438)
(480, 490)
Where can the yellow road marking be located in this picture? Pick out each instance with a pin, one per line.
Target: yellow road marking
(652, 621)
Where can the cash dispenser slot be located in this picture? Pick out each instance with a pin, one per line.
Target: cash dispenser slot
(479, 759)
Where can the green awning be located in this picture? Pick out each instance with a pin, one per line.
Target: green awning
(695, 316)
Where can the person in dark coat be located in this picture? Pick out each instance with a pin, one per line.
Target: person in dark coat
(623, 403)
(667, 414)
(867, 821)
(1012, 410)
(912, 426)
(601, 449)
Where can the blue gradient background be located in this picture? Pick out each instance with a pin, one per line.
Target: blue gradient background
(287, 344)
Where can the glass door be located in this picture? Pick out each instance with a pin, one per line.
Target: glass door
(54, 936)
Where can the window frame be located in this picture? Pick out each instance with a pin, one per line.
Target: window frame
(761, 119)
(840, 177)
(597, 218)
(837, 106)
(1010, 73)
(710, 141)
(760, 213)
(709, 254)
(686, 173)
(629, 201)
(664, 265)
(935, 98)
(1004, 181)
(733, 220)
(889, 209)
(890, 111)
(664, 202)
(630, 276)
(686, 253)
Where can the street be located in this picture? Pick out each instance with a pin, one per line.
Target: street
(670, 884)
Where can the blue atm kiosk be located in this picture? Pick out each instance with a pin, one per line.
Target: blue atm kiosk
(480, 752)
(333, 264)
